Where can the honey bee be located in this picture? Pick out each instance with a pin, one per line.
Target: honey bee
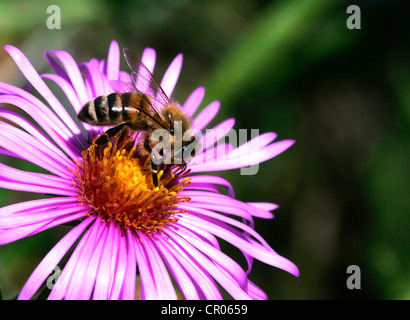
(145, 112)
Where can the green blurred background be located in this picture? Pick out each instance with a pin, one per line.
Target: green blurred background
(291, 67)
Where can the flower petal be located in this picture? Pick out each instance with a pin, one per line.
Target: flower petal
(82, 278)
(31, 74)
(188, 288)
(98, 82)
(29, 149)
(160, 274)
(51, 260)
(32, 218)
(193, 101)
(148, 288)
(204, 281)
(213, 135)
(113, 61)
(226, 204)
(216, 255)
(260, 141)
(65, 279)
(31, 129)
(35, 205)
(148, 58)
(171, 75)
(254, 156)
(105, 273)
(223, 277)
(213, 180)
(42, 115)
(13, 234)
(73, 73)
(257, 251)
(255, 292)
(128, 289)
(207, 214)
(16, 179)
(206, 115)
(120, 263)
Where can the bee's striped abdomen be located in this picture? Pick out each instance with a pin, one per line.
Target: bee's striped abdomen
(102, 111)
(115, 107)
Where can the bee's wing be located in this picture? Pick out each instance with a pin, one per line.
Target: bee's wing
(144, 80)
(147, 85)
(122, 86)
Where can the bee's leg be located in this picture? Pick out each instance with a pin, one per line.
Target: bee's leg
(154, 167)
(154, 162)
(183, 167)
(107, 135)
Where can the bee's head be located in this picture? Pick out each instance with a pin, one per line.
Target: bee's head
(177, 120)
(182, 141)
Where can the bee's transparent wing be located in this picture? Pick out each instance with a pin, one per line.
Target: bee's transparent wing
(144, 80)
(122, 86)
(149, 88)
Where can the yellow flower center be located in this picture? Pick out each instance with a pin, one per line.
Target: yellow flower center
(115, 181)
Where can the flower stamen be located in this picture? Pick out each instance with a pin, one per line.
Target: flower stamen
(116, 184)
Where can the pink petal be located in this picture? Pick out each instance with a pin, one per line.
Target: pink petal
(52, 258)
(67, 274)
(216, 133)
(113, 61)
(216, 255)
(148, 58)
(128, 289)
(42, 115)
(219, 274)
(222, 218)
(35, 205)
(171, 75)
(67, 88)
(98, 82)
(31, 74)
(30, 218)
(193, 101)
(214, 180)
(265, 207)
(13, 234)
(44, 181)
(148, 288)
(188, 288)
(257, 251)
(46, 121)
(28, 148)
(255, 292)
(161, 277)
(73, 73)
(83, 276)
(34, 131)
(125, 76)
(204, 282)
(121, 263)
(106, 268)
(226, 203)
(242, 160)
(206, 115)
(260, 141)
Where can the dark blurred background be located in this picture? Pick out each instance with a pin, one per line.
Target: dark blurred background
(291, 67)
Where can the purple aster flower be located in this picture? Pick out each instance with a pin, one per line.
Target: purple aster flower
(124, 230)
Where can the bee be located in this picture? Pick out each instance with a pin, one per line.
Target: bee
(146, 112)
